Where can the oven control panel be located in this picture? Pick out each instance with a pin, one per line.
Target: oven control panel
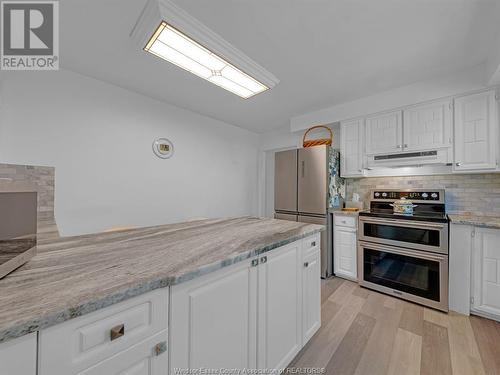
(413, 195)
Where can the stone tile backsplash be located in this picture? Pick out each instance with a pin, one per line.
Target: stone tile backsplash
(475, 193)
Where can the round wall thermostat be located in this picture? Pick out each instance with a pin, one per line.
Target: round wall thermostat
(163, 148)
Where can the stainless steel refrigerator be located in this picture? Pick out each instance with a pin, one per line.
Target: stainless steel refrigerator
(302, 192)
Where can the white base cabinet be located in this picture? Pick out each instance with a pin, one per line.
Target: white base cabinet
(18, 356)
(213, 320)
(311, 290)
(249, 315)
(475, 270)
(280, 307)
(486, 272)
(460, 250)
(345, 247)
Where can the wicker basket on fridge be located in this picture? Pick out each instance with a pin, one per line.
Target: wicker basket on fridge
(319, 141)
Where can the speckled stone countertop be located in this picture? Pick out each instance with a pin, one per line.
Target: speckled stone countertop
(477, 220)
(74, 276)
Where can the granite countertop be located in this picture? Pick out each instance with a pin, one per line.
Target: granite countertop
(73, 276)
(477, 220)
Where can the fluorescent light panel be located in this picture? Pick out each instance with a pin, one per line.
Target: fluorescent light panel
(170, 44)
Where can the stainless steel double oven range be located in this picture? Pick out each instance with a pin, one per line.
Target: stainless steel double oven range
(405, 255)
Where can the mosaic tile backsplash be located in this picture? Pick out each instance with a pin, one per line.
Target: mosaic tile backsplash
(336, 186)
(475, 193)
(43, 179)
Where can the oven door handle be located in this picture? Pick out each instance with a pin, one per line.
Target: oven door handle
(392, 250)
(414, 224)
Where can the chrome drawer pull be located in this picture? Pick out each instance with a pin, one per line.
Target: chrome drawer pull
(160, 348)
(263, 259)
(117, 332)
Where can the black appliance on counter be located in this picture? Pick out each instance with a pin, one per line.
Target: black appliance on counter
(18, 228)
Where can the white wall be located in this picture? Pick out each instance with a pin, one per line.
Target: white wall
(452, 84)
(99, 136)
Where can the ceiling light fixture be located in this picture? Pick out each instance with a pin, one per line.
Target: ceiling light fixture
(186, 42)
(170, 44)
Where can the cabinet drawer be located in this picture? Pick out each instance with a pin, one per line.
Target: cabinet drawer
(311, 243)
(77, 344)
(141, 358)
(345, 221)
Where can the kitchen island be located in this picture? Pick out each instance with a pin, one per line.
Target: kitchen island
(75, 287)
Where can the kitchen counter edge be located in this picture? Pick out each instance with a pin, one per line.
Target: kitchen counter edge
(163, 282)
(475, 220)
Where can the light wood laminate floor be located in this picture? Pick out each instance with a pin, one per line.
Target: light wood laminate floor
(366, 332)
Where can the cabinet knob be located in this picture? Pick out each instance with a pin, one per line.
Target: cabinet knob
(160, 348)
(255, 262)
(458, 164)
(306, 264)
(399, 146)
(263, 259)
(117, 332)
(313, 243)
(405, 146)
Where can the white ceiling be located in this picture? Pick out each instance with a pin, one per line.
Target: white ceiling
(323, 51)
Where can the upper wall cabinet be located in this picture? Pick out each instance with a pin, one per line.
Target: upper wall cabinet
(384, 133)
(462, 132)
(476, 132)
(351, 148)
(428, 126)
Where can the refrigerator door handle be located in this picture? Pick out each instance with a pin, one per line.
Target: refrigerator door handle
(303, 168)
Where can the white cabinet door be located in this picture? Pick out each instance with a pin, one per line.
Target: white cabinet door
(460, 268)
(428, 126)
(476, 132)
(213, 322)
(345, 250)
(280, 307)
(18, 356)
(148, 357)
(311, 292)
(384, 133)
(486, 272)
(351, 148)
